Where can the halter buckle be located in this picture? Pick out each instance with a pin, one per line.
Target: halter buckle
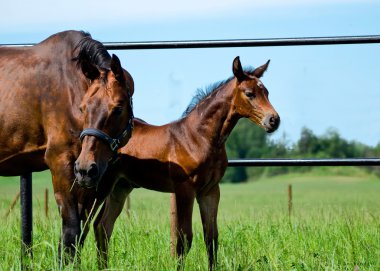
(114, 145)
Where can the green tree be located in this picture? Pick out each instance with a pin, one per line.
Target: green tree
(308, 142)
(249, 141)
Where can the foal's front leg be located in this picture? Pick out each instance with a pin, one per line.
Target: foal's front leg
(208, 206)
(184, 195)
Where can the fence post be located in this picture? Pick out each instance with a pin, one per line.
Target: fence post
(46, 202)
(173, 224)
(290, 199)
(26, 217)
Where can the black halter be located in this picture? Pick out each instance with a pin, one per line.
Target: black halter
(114, 143)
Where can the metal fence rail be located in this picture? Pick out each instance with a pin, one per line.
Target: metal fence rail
(190, 44)
(304, 162)
(243, 42)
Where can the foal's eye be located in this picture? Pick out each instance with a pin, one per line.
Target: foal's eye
(250, 94)
(117, 110)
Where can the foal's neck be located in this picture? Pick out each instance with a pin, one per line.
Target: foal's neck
(214, 118)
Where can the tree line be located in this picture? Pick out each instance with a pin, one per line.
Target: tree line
(249, 141)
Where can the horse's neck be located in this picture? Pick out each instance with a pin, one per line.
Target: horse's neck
(213, 118)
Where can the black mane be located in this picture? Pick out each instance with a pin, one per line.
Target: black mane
(92, 51)
(202, 94)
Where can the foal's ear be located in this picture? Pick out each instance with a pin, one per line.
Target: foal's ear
(117, 69)
(238, 70)
(258, 72)
(89, 70)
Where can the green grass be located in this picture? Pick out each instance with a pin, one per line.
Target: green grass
(335, 225)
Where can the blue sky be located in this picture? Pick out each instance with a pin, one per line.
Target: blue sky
(316, 86)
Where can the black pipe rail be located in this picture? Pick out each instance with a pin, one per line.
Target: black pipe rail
(303, 162)
(192, 44)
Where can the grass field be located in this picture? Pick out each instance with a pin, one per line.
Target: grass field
(335, 225)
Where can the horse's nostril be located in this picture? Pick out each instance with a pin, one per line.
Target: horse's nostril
(93, 171)
(272, 121)
(275, 121)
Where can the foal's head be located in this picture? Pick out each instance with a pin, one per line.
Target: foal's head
(251, 97)
(108, 118)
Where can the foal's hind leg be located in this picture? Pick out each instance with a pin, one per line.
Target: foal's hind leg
(208, 206)
(105, 221)
(90, 205)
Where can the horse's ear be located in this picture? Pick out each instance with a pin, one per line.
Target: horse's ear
(117, 69)
(89, 70)
(258, 72)
(238, 70)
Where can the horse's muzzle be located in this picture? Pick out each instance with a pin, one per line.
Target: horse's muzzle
(86, 177)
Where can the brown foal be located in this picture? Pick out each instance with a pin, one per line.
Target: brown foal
(187, 157)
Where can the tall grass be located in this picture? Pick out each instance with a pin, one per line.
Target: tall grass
(335, 225)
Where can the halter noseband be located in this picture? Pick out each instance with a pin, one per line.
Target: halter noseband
(114, 143)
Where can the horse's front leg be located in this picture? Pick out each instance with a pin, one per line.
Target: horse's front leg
(61, 166)
(208, 206)
(184, 195)
(105, 221)
(68, 209)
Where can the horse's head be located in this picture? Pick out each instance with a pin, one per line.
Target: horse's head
(251, 97)
(108, 119)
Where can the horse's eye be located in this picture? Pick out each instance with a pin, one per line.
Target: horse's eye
(250, 94)
(117, 110)
(81, 109)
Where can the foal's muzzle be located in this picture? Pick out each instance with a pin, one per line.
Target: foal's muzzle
(271, 123)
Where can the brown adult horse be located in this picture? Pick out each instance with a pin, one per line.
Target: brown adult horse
(187, 157)
(49, 93)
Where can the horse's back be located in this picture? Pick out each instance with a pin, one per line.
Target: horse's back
(62, 42)
(148, 139)
(59, 45)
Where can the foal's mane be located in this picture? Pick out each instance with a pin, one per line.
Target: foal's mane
(202, 94)
(92, 51)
